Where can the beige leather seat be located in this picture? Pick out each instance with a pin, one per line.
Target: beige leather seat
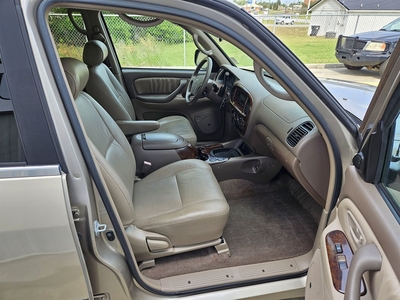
(177, 208)
(108, 91)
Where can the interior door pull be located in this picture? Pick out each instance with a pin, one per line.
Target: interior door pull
(355, 230)
(357, 235)
(153, 98)
(366, 258)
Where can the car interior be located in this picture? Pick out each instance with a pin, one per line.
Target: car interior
(213, 169)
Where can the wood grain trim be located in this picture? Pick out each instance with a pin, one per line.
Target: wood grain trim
(339, 275)
(156, 85)
(209, 148)
(188, 152)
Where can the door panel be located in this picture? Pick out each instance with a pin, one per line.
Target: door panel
(151, 90)
(150, 81)
(40, 256)
(367, 214)
(159, 89)
(364, 219)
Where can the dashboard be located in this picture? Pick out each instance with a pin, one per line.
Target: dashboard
(241, 103)
(275, 127)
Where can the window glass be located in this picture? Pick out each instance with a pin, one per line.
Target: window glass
(393, 26)
(165, 45)
(391, 177)
(10, 143)
(237, 56)
(68, 40)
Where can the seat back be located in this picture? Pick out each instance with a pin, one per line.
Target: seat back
(109, 145)
(102, 84)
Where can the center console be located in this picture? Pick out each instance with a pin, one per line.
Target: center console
(155, 150)
(234, 159)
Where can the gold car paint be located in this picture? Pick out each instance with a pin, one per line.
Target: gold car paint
(40, 256)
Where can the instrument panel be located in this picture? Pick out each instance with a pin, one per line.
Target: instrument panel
(241, 103)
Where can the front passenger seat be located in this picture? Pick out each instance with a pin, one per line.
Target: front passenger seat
(177, 208)
(108, 91)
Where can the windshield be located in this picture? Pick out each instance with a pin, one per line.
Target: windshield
(236, 56)
(392, 26)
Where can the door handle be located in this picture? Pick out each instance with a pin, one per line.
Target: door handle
(357, 235)
(355, 230)
(366, 258)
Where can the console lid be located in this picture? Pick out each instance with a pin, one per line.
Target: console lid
(162, 141)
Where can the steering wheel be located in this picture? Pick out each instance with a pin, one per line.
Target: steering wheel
(197, 84)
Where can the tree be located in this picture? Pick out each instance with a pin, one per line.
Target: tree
(264, 5)
(240, 2)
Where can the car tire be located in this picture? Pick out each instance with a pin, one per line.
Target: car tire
(282, 23)
(382, 67)
(291, 23)
(353, 68)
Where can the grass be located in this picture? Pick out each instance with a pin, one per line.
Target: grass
(156, 54)
(151, 53)
(70, 51)
(309, 49)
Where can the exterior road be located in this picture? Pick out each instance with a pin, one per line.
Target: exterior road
(339, 72)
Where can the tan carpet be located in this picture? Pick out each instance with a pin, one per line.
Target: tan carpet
(267, 222)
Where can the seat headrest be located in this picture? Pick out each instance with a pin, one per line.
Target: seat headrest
(94, 53)
(77, 74)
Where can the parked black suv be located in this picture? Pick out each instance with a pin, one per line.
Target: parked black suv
(368, 49)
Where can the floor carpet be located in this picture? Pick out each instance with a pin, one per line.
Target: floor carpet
(267, 222)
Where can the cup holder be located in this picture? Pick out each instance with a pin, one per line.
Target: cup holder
(224, 153)
(216, 155)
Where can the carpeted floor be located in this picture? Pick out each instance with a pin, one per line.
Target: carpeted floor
(267, 222)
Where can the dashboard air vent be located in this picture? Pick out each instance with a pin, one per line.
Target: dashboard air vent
(298, 133)
(247, 108)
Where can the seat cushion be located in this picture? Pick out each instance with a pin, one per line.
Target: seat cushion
(182, 201)
(178, 125)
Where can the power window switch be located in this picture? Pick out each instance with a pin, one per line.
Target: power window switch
(338, 248)
(342, 262)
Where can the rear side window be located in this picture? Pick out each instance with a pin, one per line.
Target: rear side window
(69, 41)
(165, 45)
(11, 151)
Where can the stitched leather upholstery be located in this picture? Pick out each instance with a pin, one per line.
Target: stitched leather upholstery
(107, 90)
(181, 201)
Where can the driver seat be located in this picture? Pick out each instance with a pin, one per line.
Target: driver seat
(111, 95)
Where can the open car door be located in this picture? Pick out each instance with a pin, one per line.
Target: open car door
(359, 251)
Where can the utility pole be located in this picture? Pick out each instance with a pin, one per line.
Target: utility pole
(308, 7)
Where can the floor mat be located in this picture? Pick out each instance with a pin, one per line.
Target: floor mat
(266, 223)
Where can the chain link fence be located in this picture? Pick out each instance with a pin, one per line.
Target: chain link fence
(311, 37)
(68, 40)
(320, 24)
(164, 45)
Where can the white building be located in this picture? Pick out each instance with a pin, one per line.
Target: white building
(348, 17)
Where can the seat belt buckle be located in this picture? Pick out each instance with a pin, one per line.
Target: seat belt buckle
(145, 169)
